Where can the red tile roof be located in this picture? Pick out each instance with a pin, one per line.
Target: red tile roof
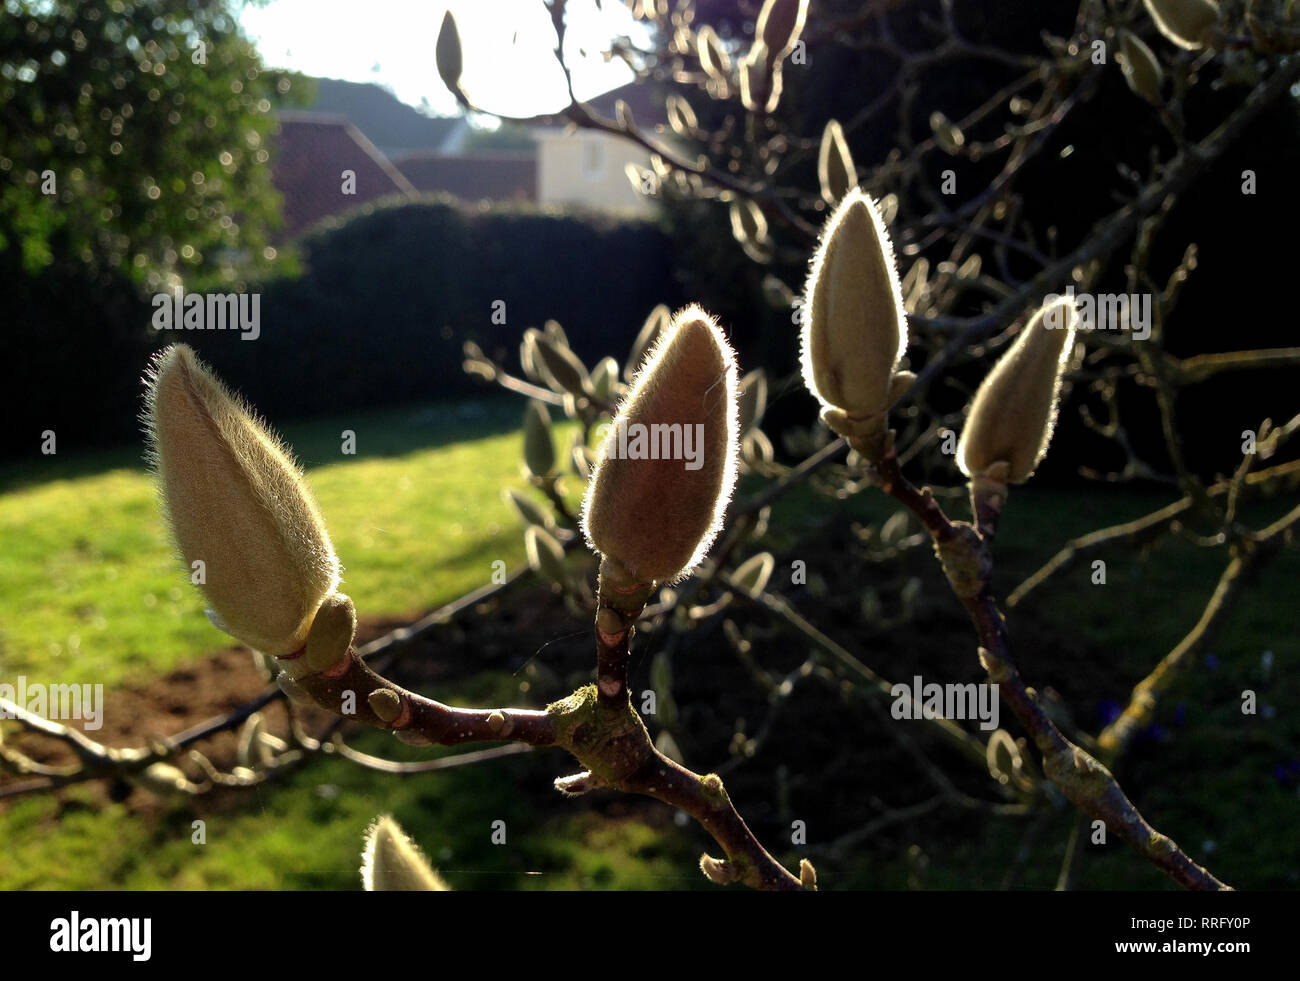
(314, 150)
(645, 99)
(473, 177)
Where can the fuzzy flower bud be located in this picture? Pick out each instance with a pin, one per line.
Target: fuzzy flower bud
(855, 330)
(1014, 411)
(668, 464)
(236, 502)
(392, 863)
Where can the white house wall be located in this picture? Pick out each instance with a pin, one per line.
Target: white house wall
(586, 168)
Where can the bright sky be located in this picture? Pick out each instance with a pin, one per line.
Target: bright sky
(509, 65)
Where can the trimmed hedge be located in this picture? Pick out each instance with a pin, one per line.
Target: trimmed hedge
(389, 295)
(377, 314)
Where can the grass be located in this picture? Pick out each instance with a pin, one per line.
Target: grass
(91, 591)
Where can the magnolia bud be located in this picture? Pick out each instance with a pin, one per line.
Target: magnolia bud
(854, 330)
(545, 554)
(779, 25)
(392, 863)
(528, 510)
(447, 53)
(558, 366)
(760, 79)
(236, 501)
(539, 450)
(681, 117)
(1141, 70)
(1014, 411)
(713, 56)
(651, 505)
(835, 170)
(1187, 23)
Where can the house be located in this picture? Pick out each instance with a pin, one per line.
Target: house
(389, 123)
(357, 142)
(326, 166)
(587, 167)
(473, 176)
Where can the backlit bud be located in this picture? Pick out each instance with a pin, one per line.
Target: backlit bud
(668, 464)
(237, 502)
(835, 169)
(392, 863)
(780, 23)
(1141, 70)
(1014, 411)
(539, 449)
(558, 366)
(1187, 23)
(855, 330)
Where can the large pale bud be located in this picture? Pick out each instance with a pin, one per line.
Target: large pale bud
(1014, 411)
(392, 863)
(1188, 23)
(236, 501)
(855, 330)
(657, 517)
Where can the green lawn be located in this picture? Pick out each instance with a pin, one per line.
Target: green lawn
(90, 592)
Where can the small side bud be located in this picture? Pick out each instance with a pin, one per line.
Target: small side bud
(807, 875)
(390, 862)
(385, 703)
(578, 784)
(718, 871)
(331, 633)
